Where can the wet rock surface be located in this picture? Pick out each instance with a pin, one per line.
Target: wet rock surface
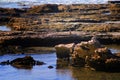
(26, 62)
(93, 55)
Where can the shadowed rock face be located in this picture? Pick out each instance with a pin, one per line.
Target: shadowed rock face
(30, 38)
(93, 54)
(46, 8)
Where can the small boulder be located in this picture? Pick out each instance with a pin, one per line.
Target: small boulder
(27, 60)
(50, 67)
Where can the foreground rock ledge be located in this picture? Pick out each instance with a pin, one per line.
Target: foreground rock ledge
(89, 54)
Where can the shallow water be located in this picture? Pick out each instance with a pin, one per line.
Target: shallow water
(37, 72)
(4, 28)
(114, 48)
(44, 73)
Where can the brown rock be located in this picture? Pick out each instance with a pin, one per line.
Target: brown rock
(64, 50)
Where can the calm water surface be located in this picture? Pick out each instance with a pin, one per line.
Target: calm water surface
(43, 73)
(4, 28)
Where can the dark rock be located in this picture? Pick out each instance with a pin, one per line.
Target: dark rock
(46, 8)
(5, 62)
(112, 65)
(50, 67)
(26, 62)
(39, 63)
(78, 61)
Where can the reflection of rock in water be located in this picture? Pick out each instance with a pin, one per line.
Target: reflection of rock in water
(23, 66)
(87, 74)
(61, 63)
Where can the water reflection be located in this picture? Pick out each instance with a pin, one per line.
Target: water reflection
(64, 72)
(114, 48)
(4, 28)
(62, 64)
(43, 73)
(23, 67)
(86, 74)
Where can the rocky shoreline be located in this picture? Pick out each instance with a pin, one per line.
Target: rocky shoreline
(51, 24)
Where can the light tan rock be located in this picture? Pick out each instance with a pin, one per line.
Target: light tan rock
(64, 50)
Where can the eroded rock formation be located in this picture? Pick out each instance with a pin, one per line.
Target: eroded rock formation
(93, 54)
